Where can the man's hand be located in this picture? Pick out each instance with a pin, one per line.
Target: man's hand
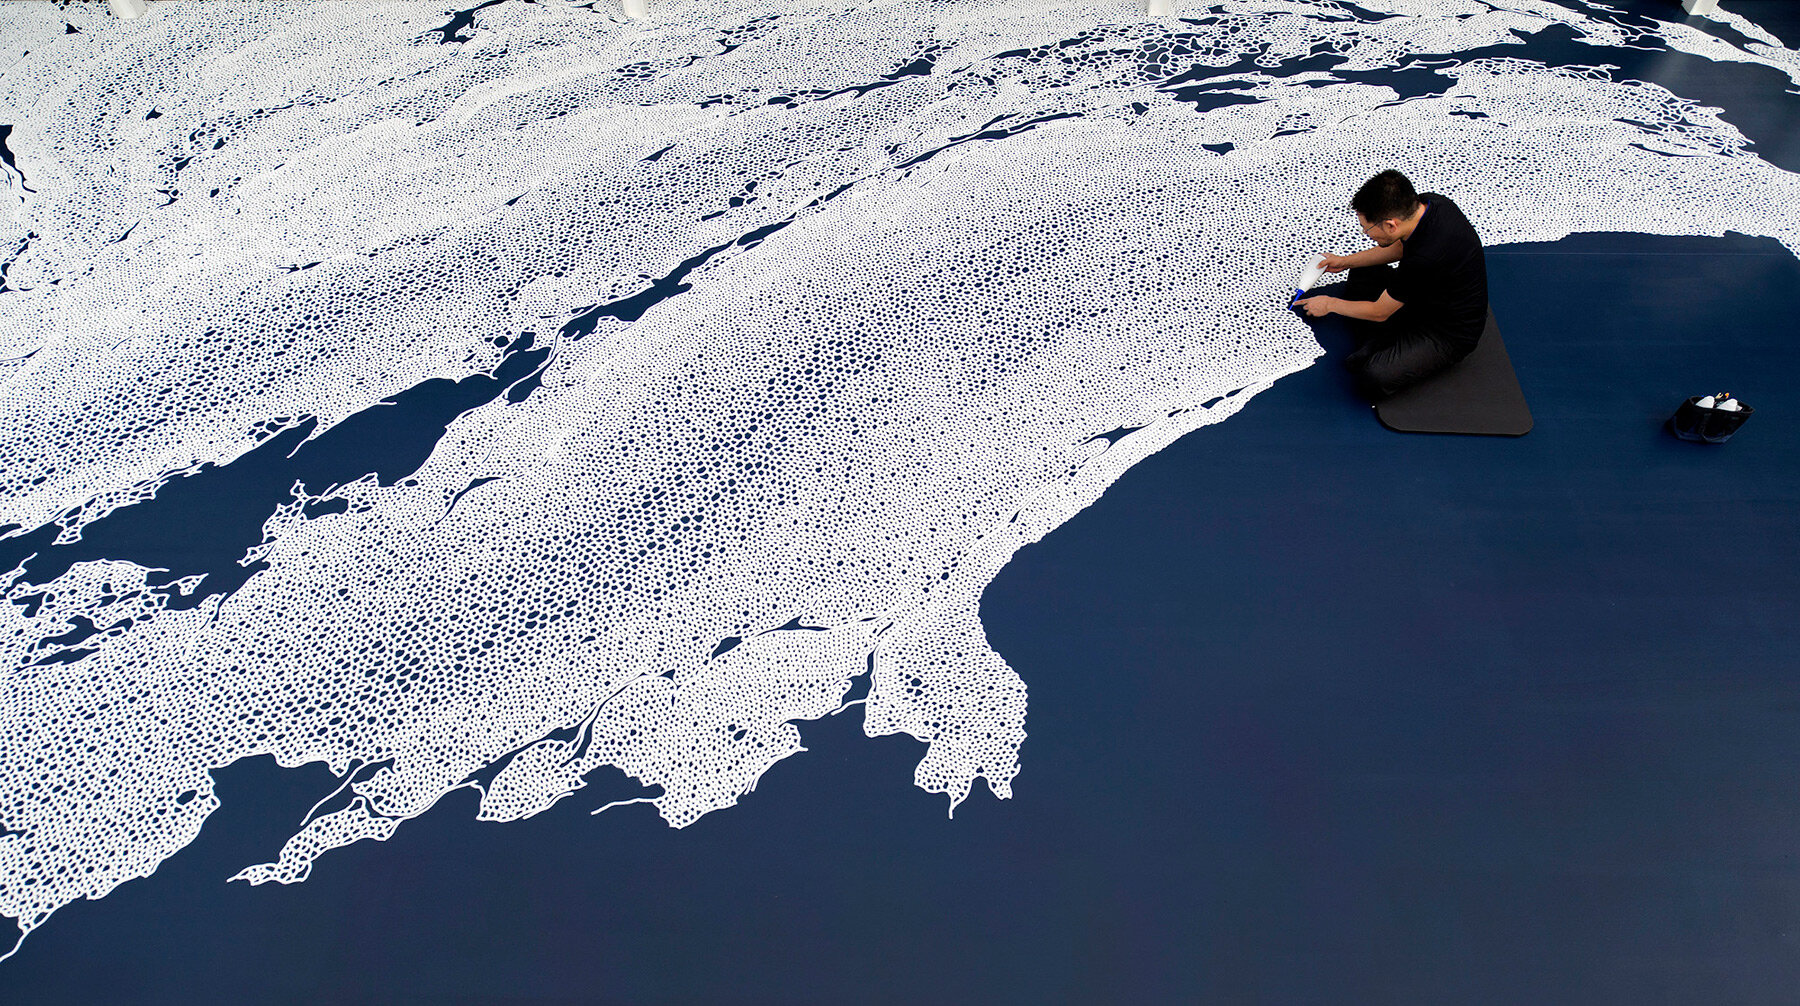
(1317, 307)
(1336, 263)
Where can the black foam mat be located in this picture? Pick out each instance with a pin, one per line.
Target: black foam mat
(1479, 396)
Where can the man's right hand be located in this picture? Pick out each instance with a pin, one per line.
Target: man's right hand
(1335, 263)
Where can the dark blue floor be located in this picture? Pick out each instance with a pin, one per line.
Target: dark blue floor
(1320, 713)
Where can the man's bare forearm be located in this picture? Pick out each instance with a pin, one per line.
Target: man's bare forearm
(1373, 256)
(1367, 310)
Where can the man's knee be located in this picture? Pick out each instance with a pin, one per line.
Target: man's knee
(1377, 379)
(1399, 364)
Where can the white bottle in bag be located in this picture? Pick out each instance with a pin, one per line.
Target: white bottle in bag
(1705, 403)
(1728, 405)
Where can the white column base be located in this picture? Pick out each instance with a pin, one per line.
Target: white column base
(1160, 8)
(1700, 6)
(128, 9)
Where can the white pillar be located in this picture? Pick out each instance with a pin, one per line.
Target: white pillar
(128, 9)
(1700, 6)
(637, 10)
(1160, 8)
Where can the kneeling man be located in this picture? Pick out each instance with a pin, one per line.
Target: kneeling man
(1417, 301)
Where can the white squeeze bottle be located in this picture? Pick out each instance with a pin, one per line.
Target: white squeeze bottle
(1728, 405)
(1705, 403)
(1309, 274)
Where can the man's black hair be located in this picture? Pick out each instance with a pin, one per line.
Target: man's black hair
(1387, 196)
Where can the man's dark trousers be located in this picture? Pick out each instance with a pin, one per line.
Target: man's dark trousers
(1395, 353)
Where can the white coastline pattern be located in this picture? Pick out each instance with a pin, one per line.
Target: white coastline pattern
(842, 304)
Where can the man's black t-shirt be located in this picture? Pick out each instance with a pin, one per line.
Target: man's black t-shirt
(1441, 277)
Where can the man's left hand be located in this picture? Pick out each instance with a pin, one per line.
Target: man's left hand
(1317, 307)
